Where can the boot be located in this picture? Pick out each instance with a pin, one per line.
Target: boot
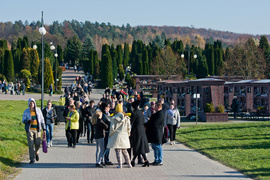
(146, 163)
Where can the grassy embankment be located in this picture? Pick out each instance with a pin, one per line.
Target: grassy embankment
(243, 146)
(13, 141)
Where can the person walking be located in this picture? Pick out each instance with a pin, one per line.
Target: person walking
(119, 135)
(72, 125)
(23, 89)
(172, 120)
(154, 133)
(235, 106)
(99, 134)
(51, 90)
(49, 115)
(138, 138)
(34, 122)
(79, 110)
(89, 112)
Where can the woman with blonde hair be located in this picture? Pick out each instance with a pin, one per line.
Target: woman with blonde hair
(119, 135)
(99, 134)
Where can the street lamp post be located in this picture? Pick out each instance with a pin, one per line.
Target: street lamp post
(42, 31)
(182, 56)
(52, 47)
(56, 55)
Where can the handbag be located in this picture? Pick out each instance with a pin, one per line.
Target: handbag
(44, 144)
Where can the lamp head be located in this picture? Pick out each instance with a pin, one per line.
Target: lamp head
(42, 30)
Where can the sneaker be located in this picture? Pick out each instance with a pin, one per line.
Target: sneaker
(31, 162)
(119, 166)
(37, 157)
(109, 163)
(99, 166)
(51, 144)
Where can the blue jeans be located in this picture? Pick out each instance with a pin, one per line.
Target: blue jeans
(49, 132)
(158, 152)
(107, 154)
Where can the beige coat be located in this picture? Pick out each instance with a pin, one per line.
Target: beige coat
(119, 132)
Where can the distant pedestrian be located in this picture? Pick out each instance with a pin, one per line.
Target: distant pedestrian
(34, 122)
(49, 115)
(235, 106)
(23, 89)
(50, 89)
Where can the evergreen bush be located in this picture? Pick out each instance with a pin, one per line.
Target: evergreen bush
(220, 108)
(209, 107)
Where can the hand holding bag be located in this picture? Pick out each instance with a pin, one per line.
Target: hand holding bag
(44, 144)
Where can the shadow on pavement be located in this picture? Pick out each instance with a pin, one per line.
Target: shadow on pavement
(60, 165)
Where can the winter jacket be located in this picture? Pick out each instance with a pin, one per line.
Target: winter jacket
(99, 129)
(119, 132)
(172, 117)
(74, 121)
(154, 128)
(53, 115)
(27, 117)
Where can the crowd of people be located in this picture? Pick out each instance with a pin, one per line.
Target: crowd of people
(11, 88)
(122, 120)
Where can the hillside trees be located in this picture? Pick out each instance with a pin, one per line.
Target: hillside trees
(246, 60)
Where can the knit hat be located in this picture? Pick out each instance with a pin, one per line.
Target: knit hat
(119, 108)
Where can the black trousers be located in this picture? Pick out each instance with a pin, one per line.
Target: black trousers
(172, 130)
(71, 135)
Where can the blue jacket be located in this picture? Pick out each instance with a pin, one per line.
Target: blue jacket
(27, 116)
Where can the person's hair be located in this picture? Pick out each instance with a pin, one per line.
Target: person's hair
(78, 103)
(103, 105)
(92, 102)
(159, 104)
(135, 104)
(98, 114)
(72, 106)
(49, 101)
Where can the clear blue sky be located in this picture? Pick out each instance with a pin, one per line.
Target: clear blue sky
(239, 16)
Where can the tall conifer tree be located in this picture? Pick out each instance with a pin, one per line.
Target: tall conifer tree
(9, 66)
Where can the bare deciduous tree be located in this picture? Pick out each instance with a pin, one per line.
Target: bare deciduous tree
(167, 64)
(246, 60)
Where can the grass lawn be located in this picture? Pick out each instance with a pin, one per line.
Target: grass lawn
(13, 141)
(243, 146)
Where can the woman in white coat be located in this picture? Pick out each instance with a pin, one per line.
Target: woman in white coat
(119, 135)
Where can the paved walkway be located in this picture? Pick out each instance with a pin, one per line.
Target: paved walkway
(61, 162)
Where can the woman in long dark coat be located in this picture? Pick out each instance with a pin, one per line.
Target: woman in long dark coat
(138, 137)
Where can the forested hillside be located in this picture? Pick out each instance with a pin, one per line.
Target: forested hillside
(102, 33)
(107, 51)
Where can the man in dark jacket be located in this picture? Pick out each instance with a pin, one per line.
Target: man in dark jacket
(154, 132)
(89, 112)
